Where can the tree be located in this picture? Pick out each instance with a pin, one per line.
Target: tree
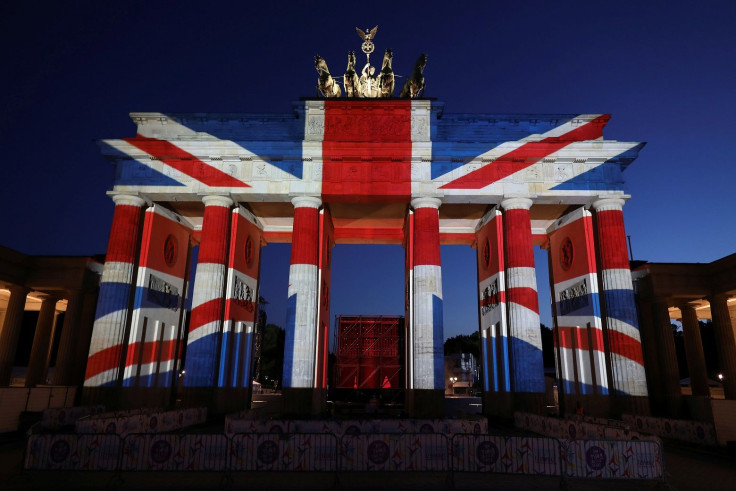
(464, 344)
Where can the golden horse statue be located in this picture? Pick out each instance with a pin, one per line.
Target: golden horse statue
(326, 85)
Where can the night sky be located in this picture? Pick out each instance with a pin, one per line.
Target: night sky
(72, 71)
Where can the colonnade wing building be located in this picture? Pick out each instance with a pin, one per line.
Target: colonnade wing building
(198, 195)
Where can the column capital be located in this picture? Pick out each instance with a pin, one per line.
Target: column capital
(609, 204)
(426, 202)
(217, 200)
(516, 204)
(717, 298)
(306, 202)
(128, 200)
(686, 305)
(19, 290)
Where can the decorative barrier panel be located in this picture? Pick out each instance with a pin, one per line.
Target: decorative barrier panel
(395, 452)
(417, 452)
(577, 428)
(194, 452)
(236, 424)
(141, 421)
(73, 452)
(284, 452)
(506, 455)
(679, 429)
(612, 459)
(59, 417)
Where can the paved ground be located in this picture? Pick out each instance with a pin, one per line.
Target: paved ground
(687, 468)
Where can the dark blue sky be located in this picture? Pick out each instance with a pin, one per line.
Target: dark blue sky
(72, 71)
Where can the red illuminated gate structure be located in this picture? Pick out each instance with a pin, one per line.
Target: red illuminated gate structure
(369, 352)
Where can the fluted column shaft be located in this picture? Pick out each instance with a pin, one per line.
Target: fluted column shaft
(694, 351)
(527, 368)
(107, 344)
(428, 335)
(86, 323)
(725, 343)
(10, 332)
(64, 370)
(41, 342)
(205, 326)
(624, 339)
(667, 357)
(301, 309)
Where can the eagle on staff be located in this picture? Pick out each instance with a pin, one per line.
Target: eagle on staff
(367, 36)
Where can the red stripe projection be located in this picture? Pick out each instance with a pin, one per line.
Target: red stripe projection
(213, 248)
(581, 335)
(490, 242)
(305, 236)
(526, 155)
(426, 237)
(185, 162)
(625, 346)
(526, 297)
(150, 349)
(102, 361)
(367, 152)
(578, 259)
(612, 239)
(123, 234)
(207, 312)
(518, 236)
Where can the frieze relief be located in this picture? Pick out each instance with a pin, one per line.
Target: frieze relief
(420, 127)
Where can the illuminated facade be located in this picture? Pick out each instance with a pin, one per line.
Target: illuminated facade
(198, 195)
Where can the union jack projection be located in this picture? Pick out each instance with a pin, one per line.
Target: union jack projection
(376, 171)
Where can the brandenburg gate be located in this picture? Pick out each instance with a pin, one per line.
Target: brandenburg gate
(198, 195)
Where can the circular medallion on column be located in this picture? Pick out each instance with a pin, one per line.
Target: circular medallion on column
(248, 250)
(171, 250)
(486, 254)
(566, 254)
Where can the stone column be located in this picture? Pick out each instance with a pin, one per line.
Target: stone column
(527, 368)
(650, 348)
(205, 325)
(299, 392)
(86, 322)
(106, 345)
(723, 330)
(619, 307)
(42, 340)
(426, 397)
(694, 351)
(10, 331)
(667, 358)
(64, 370)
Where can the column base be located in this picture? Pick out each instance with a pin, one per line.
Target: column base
(425, 403)
(148, 397)
(530, 402)
(303, 403)
(638, 405)
(592, 405)
(231, 399)
(105, 396)
(498, 404)
(196, 397)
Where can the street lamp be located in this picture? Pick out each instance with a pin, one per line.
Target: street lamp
(453, 380)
